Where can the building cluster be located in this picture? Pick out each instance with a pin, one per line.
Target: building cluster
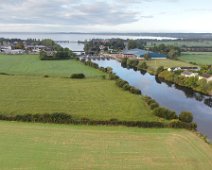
(138, 54)
(10, 48)
(191, 72)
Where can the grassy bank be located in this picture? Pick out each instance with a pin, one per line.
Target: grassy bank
(167, 63)
(90, 98)
(32, 65)
(197, 57)
(44, 146)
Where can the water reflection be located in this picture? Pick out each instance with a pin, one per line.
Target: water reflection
(167, 94)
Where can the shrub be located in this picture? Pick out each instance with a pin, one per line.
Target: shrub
(165, 113)
(132, 62)
(142, 66)
(78, 76)
(186, 117)
(153, 105)
(178, 124)
(113, 76)
(120, 82)
(135, 90)
(159, 69)
(46, 76)
(126, 87)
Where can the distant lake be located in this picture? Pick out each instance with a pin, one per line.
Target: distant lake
(74, 38)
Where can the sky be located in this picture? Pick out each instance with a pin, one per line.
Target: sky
(106, 16)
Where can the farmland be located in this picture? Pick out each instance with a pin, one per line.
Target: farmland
(197, 57)
(32, 65)
(166, 63)
(44, 146)
(181, 43)
(91, 98)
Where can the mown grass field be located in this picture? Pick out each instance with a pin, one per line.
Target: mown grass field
(89, 98)
(44, 146)
(197, 57)
(32, 65)
(166, 63)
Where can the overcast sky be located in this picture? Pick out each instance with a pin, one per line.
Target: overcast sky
(106, 15)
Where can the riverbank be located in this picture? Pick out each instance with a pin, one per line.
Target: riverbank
(191, 82)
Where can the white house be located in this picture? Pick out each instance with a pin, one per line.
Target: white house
(189, 74)
(207, 77)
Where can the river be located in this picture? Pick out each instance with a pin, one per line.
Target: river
(168, 95)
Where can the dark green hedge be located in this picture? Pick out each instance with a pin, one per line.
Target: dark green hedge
(78, 76)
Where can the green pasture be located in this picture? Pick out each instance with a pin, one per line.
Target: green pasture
(197, 57)
(28, 146)
(32, 65)
(89, 98)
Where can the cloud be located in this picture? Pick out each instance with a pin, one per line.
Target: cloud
(68, 12)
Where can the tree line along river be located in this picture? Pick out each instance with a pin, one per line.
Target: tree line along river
(172, 96)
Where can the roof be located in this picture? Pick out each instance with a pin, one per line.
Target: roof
(206, 75)
(140, 53)
(187, 73)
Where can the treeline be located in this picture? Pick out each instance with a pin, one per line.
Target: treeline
(63, 118)
(62, 54)
(183, 121)
(191, 82)
(94, 46)
(134, 63)
(171, 51)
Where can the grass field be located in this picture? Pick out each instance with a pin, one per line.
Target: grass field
(90, 98)
(166, 63)
(178, 43)
(44, 146)
(32, 65)
(197, 57)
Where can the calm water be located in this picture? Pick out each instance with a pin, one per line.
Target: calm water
(72, 37)
(168, 95)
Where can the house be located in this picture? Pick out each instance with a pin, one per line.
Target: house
(189, 74)
(207, 77)
(139, 54)
(183, 69)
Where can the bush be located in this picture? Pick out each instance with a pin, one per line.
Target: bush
(142, 66)
(178, 124)
(78, 76)
(126, 87)
(186, 117)
(113, 76)
(153, 105)
(165, 113)
(159, 70)
(120, 82)
(135, 90)
(132, 62)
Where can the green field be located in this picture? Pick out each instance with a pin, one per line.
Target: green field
(166, 63)
(197, 57)
(44, 146)
(32, 65)
(90, 98)
(178, 43)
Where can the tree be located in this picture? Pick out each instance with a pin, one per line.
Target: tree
(147, 57)
(159, 69)
(142, 66)
(186, 117)
(124, 62)
(132, 62)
